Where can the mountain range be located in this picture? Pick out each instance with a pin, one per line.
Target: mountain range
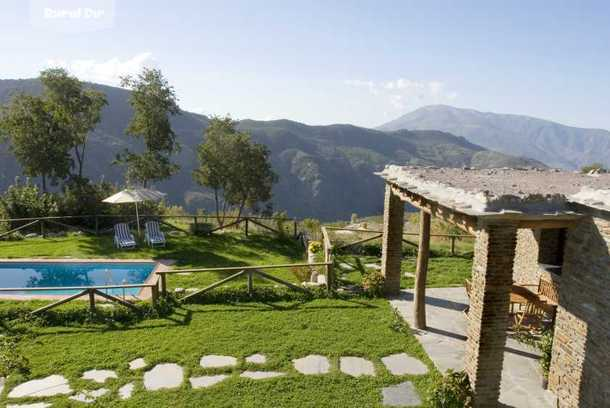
(324, 171)
(554, 144)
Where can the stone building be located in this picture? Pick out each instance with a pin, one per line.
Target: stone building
(528, 224)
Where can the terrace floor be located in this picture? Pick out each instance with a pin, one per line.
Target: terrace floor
(445, 340)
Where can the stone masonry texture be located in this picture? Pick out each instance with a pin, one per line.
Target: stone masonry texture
(393, 219)
(488, 314)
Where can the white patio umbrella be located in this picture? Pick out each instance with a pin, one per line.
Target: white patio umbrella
(135, 195)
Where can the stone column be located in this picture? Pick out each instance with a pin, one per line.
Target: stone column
(423, 254)
(492, 272)
(393, 219)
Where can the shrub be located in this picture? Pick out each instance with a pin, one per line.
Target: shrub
(372, 282)
(451, 391)
(4, 226)
(81, 197)
(314, 247)
(281, 218)
(545, 345)
(11, 361)
(27, 201)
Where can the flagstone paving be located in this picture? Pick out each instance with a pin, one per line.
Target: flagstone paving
(34, 405)
(171, 375)
(214, 361)
(137, 364)
(261, 375)
(401, 364)
(43, 387)
(126, 391)
(356, 366)
(312, 364)
(163, 376)
(401, 395)
(207, 380)
(256, 359)
(89, 397)
(99, 376)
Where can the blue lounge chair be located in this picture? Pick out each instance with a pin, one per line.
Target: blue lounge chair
(123, 238)
(153, 235)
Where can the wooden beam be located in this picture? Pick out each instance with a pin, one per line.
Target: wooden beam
(423, 254)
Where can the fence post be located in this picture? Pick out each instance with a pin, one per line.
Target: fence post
(155, 293)
(250, 283)
(91, 301)
(329, 278)
(195, 227)
(295, 227)
(246, 226)
(42, 228)
(97, 225)
(163, 285)
(453, 245)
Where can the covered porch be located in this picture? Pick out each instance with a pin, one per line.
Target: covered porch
(493, 205)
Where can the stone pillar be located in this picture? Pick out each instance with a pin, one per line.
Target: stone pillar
(423, 254)
(492, 272)
(393, 219)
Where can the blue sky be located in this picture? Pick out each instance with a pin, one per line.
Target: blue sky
(321, 62)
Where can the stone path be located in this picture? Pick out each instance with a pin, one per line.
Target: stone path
(171, 376)
(402, 364)
(99, 376)
(356, 366)
(401, 395)
(34, 405)
(163, 376)
(312, 364)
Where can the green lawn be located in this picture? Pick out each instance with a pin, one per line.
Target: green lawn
(443, 271)
(230, 249)
(283, 331)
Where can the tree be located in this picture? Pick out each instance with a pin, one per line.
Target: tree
(236, 169)
(153, 101)
(39, 144)
(596, 167)
(74, 108)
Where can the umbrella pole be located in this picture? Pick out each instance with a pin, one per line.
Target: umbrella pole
(138, 219)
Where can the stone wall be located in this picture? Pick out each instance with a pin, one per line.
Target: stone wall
(580, 366)
(393, 221)
(526, 269)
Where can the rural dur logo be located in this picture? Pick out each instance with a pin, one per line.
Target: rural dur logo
(71, 16)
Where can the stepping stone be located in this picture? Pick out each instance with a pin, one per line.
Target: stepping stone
(89, 397)
(126, 391)
(44, 387)
(137, 364)
(191, 290)
(401, 364)
(256, 359)
(373, 266)
(261, 375)
(34, 405)
(401, 395)
(356, 366)
(214, 361)
(99, 376)
(163, 376)
(409, 275)
(346, 266)
(312, 364)
(207, 380)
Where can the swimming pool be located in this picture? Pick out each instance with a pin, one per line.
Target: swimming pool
(63, 274)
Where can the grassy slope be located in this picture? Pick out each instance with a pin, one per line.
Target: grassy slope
(283, 331)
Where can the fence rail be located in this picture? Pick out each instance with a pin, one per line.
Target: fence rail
(248, 271)
(91, 292)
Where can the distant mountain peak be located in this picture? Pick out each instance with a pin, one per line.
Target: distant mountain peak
(550, 142)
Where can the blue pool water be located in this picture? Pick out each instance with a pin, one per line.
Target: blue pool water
(62, 274)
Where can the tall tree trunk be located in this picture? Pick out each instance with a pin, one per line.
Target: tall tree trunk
(220, 223)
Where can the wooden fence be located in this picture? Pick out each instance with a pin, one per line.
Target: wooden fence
(91, 292)
(99, 224)
(240, 271)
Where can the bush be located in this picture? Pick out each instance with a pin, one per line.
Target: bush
(451, 391)
(545, 345)
(372, 283)
(11, 361)
(81, 197)
(27, 201)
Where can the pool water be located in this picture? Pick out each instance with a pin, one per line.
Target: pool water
(62, 274)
